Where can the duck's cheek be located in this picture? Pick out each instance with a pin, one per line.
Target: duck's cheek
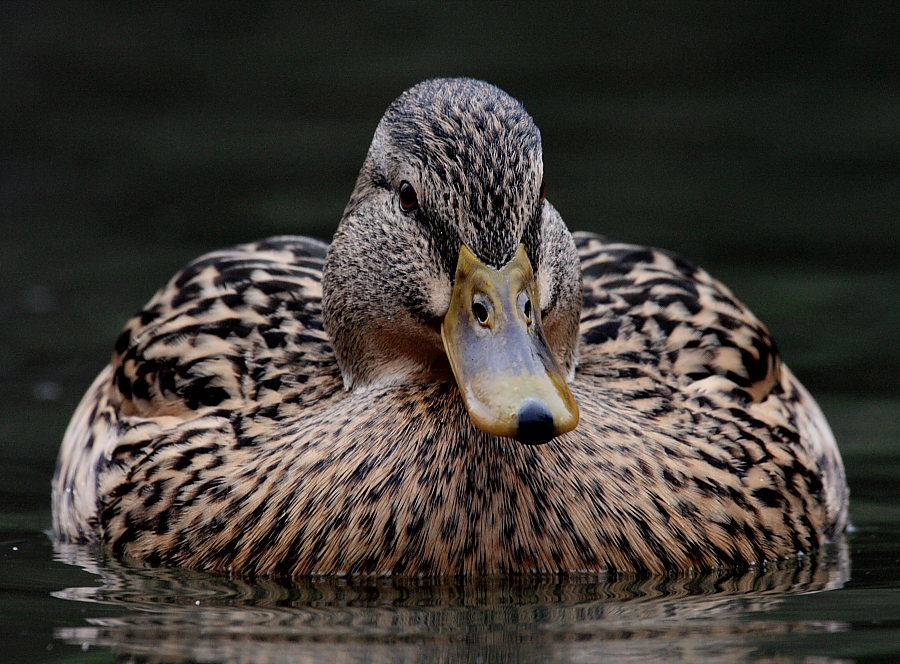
(507, 376)
(438, 292)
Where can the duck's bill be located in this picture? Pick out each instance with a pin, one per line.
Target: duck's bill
(509, 380)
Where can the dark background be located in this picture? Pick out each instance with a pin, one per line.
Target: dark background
(760, 140)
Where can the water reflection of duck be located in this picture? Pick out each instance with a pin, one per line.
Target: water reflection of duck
(192, 616)
(277, 410)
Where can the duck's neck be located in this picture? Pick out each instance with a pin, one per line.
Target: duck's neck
(560, 282)
(373, 286)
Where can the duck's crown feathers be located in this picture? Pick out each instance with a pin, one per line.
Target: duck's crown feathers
(473, 152)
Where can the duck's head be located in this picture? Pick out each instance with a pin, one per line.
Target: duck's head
(449, 264)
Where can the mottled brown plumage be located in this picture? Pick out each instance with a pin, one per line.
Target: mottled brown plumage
(276, 411)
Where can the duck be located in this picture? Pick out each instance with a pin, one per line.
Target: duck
(456, 385)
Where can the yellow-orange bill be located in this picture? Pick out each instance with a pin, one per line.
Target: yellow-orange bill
(509, 380)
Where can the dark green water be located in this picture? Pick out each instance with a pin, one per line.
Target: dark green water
(762, 142)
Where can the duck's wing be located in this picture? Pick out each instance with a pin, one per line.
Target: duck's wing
(651, 318)
(236, 327)
(236, 330)
(659, 309)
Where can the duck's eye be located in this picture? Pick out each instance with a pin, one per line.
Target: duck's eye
(527, 310)
(543, 191)
(409, 200)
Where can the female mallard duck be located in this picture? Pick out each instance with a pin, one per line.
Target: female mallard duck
(457, 385)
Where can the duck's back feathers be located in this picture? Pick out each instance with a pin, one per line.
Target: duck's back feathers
(664, 337)
(674, 317)
(236, 331)
(236, 328)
